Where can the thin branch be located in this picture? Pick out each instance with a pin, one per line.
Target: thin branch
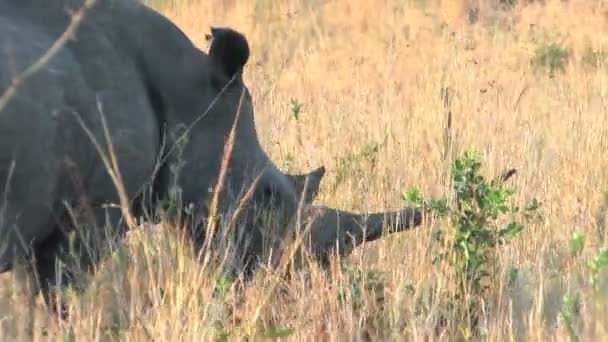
(109, 164)
(212, 219)
(69, 32)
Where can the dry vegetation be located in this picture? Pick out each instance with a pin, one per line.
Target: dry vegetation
(369, 75)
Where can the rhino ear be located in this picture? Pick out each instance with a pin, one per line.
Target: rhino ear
(229, 49)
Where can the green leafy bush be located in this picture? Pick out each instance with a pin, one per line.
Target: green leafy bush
(552, 56)
(479, 217)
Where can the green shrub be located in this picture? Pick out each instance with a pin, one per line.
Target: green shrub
(552, 57)
(476, 227)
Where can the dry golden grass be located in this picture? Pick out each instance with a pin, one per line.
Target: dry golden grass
(371, 72)
(454, 12)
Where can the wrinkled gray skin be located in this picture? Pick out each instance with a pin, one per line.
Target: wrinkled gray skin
(149, 81)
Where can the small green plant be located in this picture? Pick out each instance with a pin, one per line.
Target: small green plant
(576, 243)
(223, 285)
(599, 261)
(278, 332)
(594, 58)
(552, 56)
(512, 276)
(569, 311)
(68, 337)
(296, 108)
(475, 214)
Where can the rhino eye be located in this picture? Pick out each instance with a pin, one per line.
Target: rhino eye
(268, 194)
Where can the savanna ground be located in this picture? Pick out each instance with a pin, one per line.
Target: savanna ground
(357, 86)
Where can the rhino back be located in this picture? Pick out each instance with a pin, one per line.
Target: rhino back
(31, 139)
(39, 132)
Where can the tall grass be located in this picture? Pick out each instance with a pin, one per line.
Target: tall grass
(372, 73)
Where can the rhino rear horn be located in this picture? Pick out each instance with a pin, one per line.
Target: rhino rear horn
(308, 190)
(229, 49)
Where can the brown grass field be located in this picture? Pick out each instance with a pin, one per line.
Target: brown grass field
(369, 75)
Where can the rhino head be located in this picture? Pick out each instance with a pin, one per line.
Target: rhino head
(250, 169)
(181, 125)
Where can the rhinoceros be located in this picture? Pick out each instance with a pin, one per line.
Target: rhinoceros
(132, 85)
